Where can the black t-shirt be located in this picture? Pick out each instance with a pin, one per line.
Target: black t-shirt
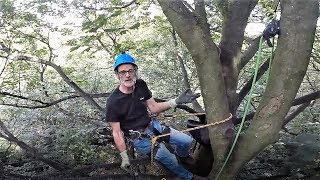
(129, 109)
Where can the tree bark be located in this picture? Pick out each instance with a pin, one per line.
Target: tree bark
(193, 29)
(249, 53)
(292, 56)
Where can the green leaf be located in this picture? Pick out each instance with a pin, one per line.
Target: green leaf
(135, 26)
(88, 39)
(99, 35)
(87, 49)
(93, 30)
(75, 48)
(117, 13)
(86, 25)
(123, 32)
(111, 30)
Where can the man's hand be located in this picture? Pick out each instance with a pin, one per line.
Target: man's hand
(125, 164)
(186, 97)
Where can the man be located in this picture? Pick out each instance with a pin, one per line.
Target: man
(128, 109)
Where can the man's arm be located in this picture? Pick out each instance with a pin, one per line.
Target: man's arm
(186, 97)
(120, 144)
(118, 136)
(156, 107)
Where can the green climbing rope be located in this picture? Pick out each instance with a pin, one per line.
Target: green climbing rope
(270, 60)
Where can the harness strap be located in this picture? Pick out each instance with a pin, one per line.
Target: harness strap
(142, 133)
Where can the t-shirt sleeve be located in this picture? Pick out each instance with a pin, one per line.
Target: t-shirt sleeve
(144, 89)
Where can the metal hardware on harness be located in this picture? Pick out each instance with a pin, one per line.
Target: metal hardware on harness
(134, 134)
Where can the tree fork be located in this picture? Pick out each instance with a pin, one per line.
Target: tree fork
(288, 69)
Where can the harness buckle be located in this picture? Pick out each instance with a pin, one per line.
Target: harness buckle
(134, 134)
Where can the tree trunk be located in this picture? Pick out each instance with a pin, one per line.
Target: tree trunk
(235, 18)
(292, 56)
(193, 29)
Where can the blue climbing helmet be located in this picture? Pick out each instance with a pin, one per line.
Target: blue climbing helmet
(123, 58)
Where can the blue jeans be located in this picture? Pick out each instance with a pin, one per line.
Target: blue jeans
(180, 142)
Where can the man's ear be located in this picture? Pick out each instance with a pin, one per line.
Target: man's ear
(116, 74)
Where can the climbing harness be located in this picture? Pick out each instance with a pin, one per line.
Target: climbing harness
(134, 134)
(154, 139)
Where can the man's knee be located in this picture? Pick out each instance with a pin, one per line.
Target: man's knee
(189, 139)
(186, 140)
(164, 156)
(181, 138)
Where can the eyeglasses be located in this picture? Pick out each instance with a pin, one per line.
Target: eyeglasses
(130, 71)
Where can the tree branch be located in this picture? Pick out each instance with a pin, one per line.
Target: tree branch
(235, 14)
(295, 113)
(85, 170)
(200, 8)
(306, 98)
(301, 100)
(249, 53)
(20, 97)
(66, 79)
(29, 150)
(104, 46)
(46, 104)
(4, 64)
(113, 7)
(246, 88)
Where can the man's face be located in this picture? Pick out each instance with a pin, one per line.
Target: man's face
(127, 75)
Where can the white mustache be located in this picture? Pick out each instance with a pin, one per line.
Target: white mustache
(133, 79)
